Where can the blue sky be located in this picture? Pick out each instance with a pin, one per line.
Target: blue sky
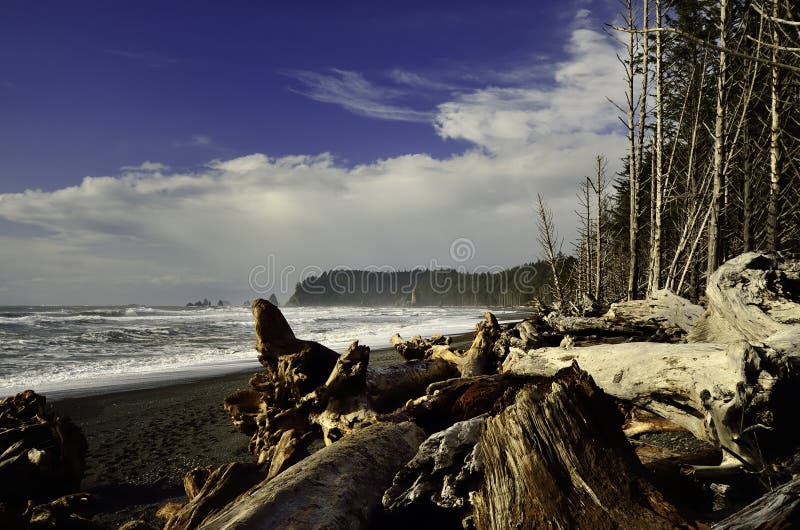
(175, 108)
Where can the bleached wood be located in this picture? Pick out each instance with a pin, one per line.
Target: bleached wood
(749, 297)
(339, 486)
(663, 307)
(715, 391)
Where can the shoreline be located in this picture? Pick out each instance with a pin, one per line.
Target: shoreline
(142, 441)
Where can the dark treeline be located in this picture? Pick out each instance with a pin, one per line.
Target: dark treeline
(710, 171)
(421, 287)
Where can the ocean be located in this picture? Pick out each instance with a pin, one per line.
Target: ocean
(80, 350)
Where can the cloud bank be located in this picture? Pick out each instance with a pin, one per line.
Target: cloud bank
(153, 235)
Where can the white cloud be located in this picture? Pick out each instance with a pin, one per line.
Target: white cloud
(146, 166)
(164, 237)
(353, 92)
(415, 80)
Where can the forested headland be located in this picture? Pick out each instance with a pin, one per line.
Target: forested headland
(515, 286)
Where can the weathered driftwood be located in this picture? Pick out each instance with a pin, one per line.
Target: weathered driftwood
(244, 406)
(731, 395)
(42, 455)
(750, 297)
(356, 394)
(342, 403)
(222, 486)
(302, 393)
(195, 479)
(458, 399)
(391, 386)
(72, 511)
(557, 458)
(355, 471)
(664, 308)
(441, 476)
(778, 509)
(479, 358)
(416, 347)
(599, 326)
(275, 338)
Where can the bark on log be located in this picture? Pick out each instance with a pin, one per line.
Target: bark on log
(750, 297)
(557, 458)
(459, 399)
(582, 326)
(391, 386)
(42, 455)
(778, 509)
(441, 476)
(416, 347)
(664, 308)
(731, 395)
(221, 487)
(275, 338)
(339, 486)
(478, 359)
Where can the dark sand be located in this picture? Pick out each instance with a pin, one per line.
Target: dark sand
(142, 442)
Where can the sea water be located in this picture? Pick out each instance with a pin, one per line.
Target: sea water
(79, 350)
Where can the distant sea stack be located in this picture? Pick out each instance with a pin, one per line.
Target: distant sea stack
(273, 299)
(205, 302)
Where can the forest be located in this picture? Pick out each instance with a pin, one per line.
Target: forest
(711, 113)
(424, 287)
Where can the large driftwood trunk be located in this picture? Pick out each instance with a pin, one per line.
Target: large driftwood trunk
(308, 391)
(750, 298)
(275, 338)
(734, 393)
(721, 393)
(557, 458)
(777, 510)
(339, 487)
(439, 481)
(219, 488)
(663, 307)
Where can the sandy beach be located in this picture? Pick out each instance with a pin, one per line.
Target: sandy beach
(142, 442)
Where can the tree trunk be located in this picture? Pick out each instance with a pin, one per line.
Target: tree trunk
(773, 210)
(540, 471)
(715, 235)
(338, 487)
(778, 509)
(655, 253)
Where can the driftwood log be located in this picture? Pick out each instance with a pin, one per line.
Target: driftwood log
(416, 347)
(42, 455)
(731, 395)
(339, 486)
(557, 458)
(219, 488)
(750, 297)
(663, 307)
(439, 481)
(308, 391)
(777, 510)
(734, 393)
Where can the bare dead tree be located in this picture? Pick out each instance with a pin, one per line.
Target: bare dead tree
(715, 236)
(773, 210)
(548, 238)
(598, 186)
